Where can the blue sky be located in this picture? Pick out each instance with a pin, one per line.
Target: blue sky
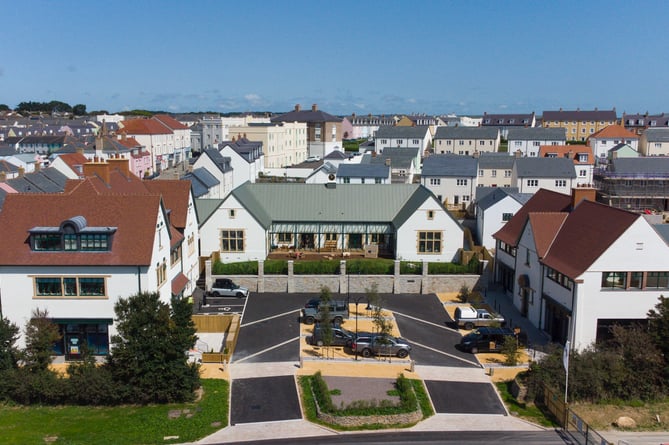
(435, 57)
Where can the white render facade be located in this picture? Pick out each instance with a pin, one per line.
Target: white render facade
(284, 143)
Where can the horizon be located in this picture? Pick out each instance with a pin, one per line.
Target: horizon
(435, 57)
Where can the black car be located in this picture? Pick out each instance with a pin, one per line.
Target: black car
(340, 336)
(486, 339)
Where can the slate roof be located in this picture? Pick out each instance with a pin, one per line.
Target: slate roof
(542, 201)
(318, 203)
(363, 171)
(222, 162)
(585, 235)
(392, 132)
(499, 193)
(467, 133)
(445, 165)
(641, 166)
(544, 168)
(537, 134)
(336, 155)
(507, 119)
(579, 115)
(201, 181)
(657, 134)
(663, 231)
(502, 161)
(661, 120)
(400, 158)
(134, 217)
(307, 116)
(39, 182)
(247, 149)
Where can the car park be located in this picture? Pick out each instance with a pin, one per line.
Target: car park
(339, 336)
(338, 311)
(368, 345)
(225, 287)
(486, 339)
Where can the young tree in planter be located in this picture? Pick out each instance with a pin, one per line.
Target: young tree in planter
(326, 319)
(384, 327)
(149, 354)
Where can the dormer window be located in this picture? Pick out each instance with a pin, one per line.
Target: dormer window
(73, 235)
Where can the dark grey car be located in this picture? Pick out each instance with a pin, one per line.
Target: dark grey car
(381, 345)
(340, 336)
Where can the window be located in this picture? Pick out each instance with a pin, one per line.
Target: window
(460, 182)
(94, 241)
(384, 141)
(175, 255)
(533, 183)
(430, 214)
(614, 280)
(377, 180)
(527, 257)
(657, 280)
(481, 142)
(582, 173)
(435, 181)
(191, 244)
(416, 141)
(582, 157)
(285, 237)
(559, 278)
(636, 280)
(493, 173)
(429, 242)
(47, 241)
(504, 247)
(448, 142)
(560, 183)
(362, 180)
(536, 143)
(461, 142)
(507, 216)
(518, 143)
(232, 240)
(231, 213)
(378, 238)
(161, 272)
(507, 173)
(69, 286)
(480, 172)
(465, 198)
(346, 180)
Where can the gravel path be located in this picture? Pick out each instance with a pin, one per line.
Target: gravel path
(360, 388)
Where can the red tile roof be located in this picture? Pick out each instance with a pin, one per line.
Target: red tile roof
(134, 216)
(613, 132)
(170, 122)
(586, 233)
(179, 283)
(542, 201)
(143, 126)
(73, 160)
(564, 151)
(129, 142)
(544, 227)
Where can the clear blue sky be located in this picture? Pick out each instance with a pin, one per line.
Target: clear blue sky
(360, 56)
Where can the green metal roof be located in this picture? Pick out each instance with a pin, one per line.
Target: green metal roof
(205, 208)
(286, 202)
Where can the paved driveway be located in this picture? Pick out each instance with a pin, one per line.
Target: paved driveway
(464, 398)
(264, 399)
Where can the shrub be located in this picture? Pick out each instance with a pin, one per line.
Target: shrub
(320, 267)
(379, 266)
(241, 268)
(510, 351)
(411, 267)
(322, 393)
(276, 267)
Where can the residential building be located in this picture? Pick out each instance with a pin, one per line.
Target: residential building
(246, 158)
(528, 140)
(451, 178)
(654, 142)
(621, 151)
(363, 174)
(506, 122)
(323, 129)
(283, 143)
(637, 123)
(608, 137)
(402, 220)
(324, 174)
(579, 123)
(532, 174)
(494, 169)
(180, 136)
(466, 140)
(156, 137)
(204, 185)
(581, 155)
(638, 184)
(496, 206)
(221, 169)
(365, 126)
(402, 163)
(418, 138)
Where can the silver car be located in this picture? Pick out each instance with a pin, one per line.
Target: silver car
(381, 345)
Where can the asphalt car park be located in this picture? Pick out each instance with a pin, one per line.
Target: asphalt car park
(464, 398)
(264, 399)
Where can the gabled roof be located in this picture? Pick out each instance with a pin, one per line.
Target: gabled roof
(657, 134)
(614, 131)
(170, 122)
(572, 152)
(537, 134)
(143, 126)
(319, 203)
(222, 162)
(545, 226)
(467, 133)
(336, 155)
(133, 216)
(398, 157)
(498, 194)
(529, 167)
(363, 171)
(579, 115)
(393, 132)
(507, 119)
(586, 233)
(446, 165)
(308, 116)
(641, 166)
(501, 161)
(542, 201)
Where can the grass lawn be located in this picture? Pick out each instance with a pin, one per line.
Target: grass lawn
(116, 425)
(525, 411)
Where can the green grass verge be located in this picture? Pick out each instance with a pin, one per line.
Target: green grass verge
(525, 411)
(123, 425)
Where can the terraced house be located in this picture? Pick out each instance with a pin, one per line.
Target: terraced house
(579, 123)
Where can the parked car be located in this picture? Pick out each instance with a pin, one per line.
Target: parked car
(469, 318)
(340, 336)
(225, 287)
(381, 345)
(486, 339)
(338, 311)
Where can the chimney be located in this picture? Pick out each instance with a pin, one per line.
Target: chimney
(122, 164)
(581, 193)
(97, 168)
(518, 153)
(476, 154)
(387, 162)
(22, 172)
(297, 107)
(3, 177)
(314, 107)
(38, 166)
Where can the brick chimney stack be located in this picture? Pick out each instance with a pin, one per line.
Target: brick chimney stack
(580, 193)
(297, 107)
(314, 107)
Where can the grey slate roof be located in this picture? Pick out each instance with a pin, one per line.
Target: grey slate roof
(501, 161)
(363, 171)
(579, 115)
(467, 133)
(445, 165)
(39, 182)
(657, 134)
(663, 231)
(391, 132)
(201, 181)
(399, 157)
(336, 155)
(545, 168)
(482, 192)
(217, 158)
(648, 166)
(306, 116)
(55, 176)
(537, 134)
(318, 203)
(500, 193)
(205, 208)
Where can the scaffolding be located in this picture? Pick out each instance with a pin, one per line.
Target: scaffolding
(633, 191)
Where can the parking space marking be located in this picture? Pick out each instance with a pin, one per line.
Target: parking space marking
(278, 345)
(427, 322)
(445, 353)
(269, 318)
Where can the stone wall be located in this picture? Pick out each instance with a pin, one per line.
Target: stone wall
(340, 283)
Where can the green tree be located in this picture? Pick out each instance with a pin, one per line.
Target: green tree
(658, 328)
(41, 334)
(79, 110)
(9, 353)
(4, 107)
(510, 351)
(149, 354)
(326, 318)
